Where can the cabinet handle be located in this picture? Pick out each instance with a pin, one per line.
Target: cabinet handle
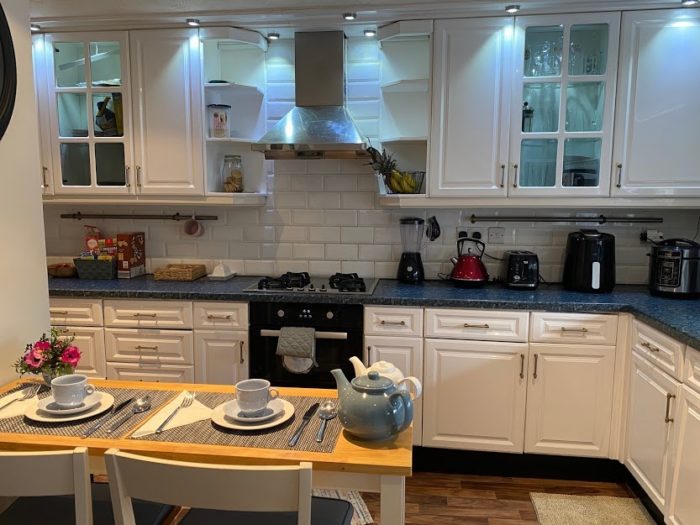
(145, 315)
(241, 360)
(44, 184)
(503, 175)
(467, 325)
(140, 347)
(534, 372)
(397, 323)
(60, 312)
(212, 316)
(619, 175)
(515, 180)
(127, 169)
(63, 330)
(565, 329)
(138, 176)
(522, 366)
(365, 355)
(650, 347)
(668, 408)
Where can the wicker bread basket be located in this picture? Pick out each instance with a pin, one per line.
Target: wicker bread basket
(180, 272)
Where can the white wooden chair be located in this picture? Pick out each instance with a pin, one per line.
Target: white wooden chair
(221, 493)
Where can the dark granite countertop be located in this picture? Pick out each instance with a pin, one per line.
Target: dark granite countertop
(678, 318)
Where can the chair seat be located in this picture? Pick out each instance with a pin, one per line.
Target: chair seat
(60, 510)
(324, 511)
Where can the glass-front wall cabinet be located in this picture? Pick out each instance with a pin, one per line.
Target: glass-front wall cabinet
(563, 95)
(89, 107)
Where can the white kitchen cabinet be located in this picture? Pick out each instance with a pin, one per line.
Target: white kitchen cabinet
(393, 320)
(658, 108)
(125, 345)
(220, 357)
(43, 112)
(651, 418)
(569, 399)
(471, 107)
(72, 311)
(148, 313)
(91, 343)
(563, 94)
(166, 77)
(474, 395)
(406, 353)
(658, 348)
(477, 324)
(150, 372)
(576, 328)
(219, 315)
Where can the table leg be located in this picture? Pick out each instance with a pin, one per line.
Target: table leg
(392, 504)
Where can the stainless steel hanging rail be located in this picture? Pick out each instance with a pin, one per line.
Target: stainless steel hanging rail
(175, 217)
(600, 219)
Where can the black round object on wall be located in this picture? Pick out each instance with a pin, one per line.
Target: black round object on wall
(8, 74)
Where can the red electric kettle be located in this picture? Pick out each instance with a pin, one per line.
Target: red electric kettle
(469, 270)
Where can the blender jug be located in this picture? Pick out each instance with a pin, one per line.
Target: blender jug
(410, 269)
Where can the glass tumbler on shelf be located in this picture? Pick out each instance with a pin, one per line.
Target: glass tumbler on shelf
(232, 174)
(219, 126)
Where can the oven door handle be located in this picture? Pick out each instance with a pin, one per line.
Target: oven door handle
(319, 335)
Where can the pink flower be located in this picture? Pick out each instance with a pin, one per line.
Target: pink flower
(33, 360)
(42, 346)
(71, 356)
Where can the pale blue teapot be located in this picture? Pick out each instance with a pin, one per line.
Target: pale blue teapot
(372, 407)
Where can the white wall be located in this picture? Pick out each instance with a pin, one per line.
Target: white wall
(23, 281)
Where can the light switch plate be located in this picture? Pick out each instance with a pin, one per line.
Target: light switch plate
(496, 235)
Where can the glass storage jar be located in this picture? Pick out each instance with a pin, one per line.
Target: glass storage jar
(232, 174)
(219, 126)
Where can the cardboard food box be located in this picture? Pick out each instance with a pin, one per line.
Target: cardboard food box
(131, 254)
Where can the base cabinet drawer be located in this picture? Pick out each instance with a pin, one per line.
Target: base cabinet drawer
(220, 316)
(91, 343)
(69, 311)
(662, 350)
(220, 358)
(148, 314)
(394, 320)
(477, 325)
(149, 346)
(150, 372)
(586, 329)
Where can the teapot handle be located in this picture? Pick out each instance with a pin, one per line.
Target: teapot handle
(402, 398)
(417, 387)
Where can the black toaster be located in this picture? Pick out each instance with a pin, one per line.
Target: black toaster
(521, 269)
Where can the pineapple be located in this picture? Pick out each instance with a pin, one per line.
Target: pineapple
(383, 162)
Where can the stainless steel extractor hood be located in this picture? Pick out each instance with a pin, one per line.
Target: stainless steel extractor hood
(318, 126)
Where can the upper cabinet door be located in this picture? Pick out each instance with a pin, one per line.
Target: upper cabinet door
(42, 108)
(471, 93)
(166, 71)
(562, 108)
(658, 109)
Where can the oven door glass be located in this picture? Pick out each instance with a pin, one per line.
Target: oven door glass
(8, 74)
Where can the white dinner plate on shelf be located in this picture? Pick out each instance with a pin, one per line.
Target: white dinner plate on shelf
(219, 417)
(49, 405)
(273, 409)
(36, 414)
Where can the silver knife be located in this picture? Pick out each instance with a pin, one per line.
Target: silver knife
(116, 408)
(304, 421)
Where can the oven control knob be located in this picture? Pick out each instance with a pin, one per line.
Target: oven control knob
(330, 315)
(280, 313)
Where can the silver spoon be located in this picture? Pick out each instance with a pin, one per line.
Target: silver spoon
(141, 405)
(327, 410)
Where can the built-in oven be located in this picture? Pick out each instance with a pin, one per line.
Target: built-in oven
(338, 330)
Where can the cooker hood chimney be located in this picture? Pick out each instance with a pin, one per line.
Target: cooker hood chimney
(318, 126)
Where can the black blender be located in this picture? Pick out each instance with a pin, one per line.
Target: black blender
(411, 265)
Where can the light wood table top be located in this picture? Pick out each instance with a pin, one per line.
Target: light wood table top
(392, 457)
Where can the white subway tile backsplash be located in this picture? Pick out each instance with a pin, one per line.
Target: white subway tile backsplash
(259, 233)
(340, 182)
(291, 199)
(324, 234)
(308, 251)
(292, 233)
(341, 218)
(324, 268)
(283, 266)
(323, 166)
(363, 269)
(274, 217)
(216, 233)
(259, 267)
(304, 182)
(341, 252)
(359, 200)
(324, 200)
(307, 217)
(180, 249)
(206, 250)
(245, 250)
(375, 252)
(276, 251)
(356, 234)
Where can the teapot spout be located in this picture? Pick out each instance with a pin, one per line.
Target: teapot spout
(341, 381)
(359, 366)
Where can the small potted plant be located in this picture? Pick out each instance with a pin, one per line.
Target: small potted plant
(50, 357)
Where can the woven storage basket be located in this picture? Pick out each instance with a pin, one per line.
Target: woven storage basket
(96, 268)
(180, 272)
(61, 270)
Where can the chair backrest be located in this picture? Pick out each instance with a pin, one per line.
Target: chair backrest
(54, 473)
(207, 486)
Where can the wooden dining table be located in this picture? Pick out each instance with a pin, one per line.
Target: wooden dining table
(352, 465)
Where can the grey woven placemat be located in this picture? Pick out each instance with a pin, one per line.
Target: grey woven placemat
(23, 425)
(208, 433)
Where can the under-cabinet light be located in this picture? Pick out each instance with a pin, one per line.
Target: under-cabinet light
(512, 9)
(349, 16)
(273, 36)
(688, 3)
(369, 33)
(34, 27)
(193, 22)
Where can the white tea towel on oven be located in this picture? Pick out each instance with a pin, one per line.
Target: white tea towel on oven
(297, 346)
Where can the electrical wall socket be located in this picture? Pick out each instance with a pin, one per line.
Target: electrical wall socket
(496, 235)
(654, 235)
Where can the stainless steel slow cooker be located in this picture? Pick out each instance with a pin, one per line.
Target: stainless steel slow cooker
(674, 268)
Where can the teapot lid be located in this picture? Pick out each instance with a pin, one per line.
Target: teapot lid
(372, 383)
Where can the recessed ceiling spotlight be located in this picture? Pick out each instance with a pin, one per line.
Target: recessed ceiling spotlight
(193, 22)
(512, 9)
(273, 36)
(688, 3)
(34, 27)
(369, 33)
(349, 16)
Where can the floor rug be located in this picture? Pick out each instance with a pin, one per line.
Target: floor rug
(563, 509)
(361, 515)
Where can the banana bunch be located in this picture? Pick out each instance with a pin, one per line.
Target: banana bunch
(400, 182)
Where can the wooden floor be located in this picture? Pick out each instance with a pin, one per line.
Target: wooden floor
(448, 499)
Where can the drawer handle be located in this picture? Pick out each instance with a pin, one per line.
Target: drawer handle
(668, 408)
(651, 347)
(140, 347)
(241, 356)
(534, 372)
(63, 330)
(60, 312)
(397, 323)
(467, 325)
(582, 330)
(522, 366)
(225, 317)
(145, 315)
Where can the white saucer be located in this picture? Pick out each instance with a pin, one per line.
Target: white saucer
(273, 409)
(35, 414)
(219, 417)
(49, 405)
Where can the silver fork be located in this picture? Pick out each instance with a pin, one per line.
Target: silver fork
(27, 393)
(186, 401)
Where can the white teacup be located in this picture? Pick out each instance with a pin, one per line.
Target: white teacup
(253, 395)
(70, 390)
